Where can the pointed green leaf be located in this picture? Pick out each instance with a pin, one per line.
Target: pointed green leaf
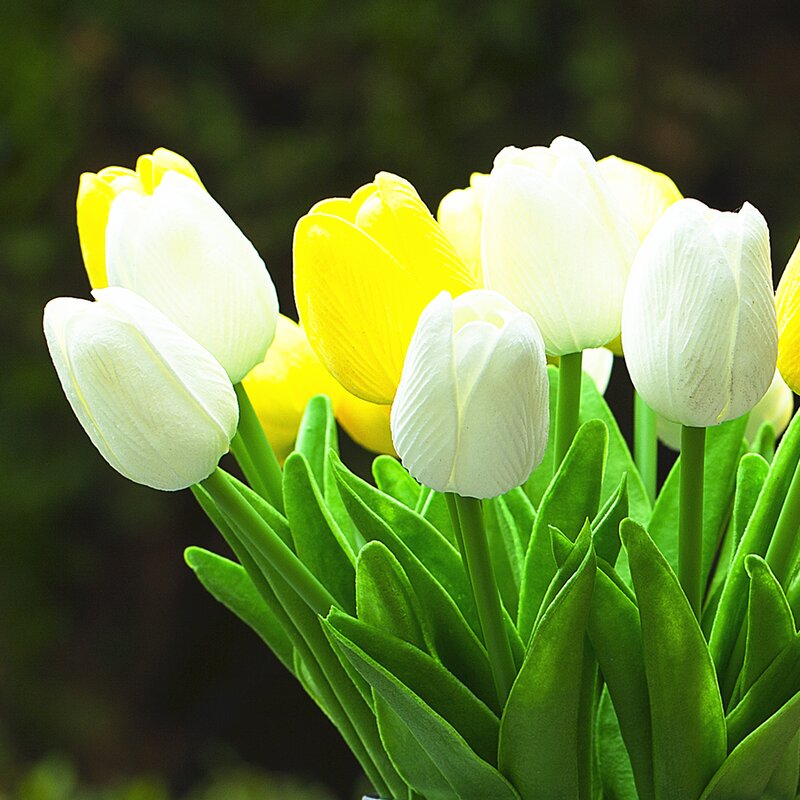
(471, 776)
(605, 525)
(317, 435)
(614, 764)
(572, 497)
(432, 506)
(688, 721)
(747, 770)
(539, 730)
(228, 583)
(783, 785)
(392, 478)
(770, 625)
(319, 543)
(750, 477)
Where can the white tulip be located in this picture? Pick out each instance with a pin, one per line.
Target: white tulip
(698, 325)
(471, 412)
(557, 241)
(157, 405)
(460, 214)
(179, 250)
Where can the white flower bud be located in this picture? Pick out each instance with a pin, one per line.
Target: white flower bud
(158, 407)
(557, 241)
(179, 250)
(471, 411)
(698, 326)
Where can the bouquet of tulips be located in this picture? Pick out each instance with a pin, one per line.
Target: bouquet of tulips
(513, 610)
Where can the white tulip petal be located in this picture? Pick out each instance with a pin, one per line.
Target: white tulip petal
(424, 417)
(178, 249)
(548, 245)
(158, 407)
(498, 441)
(598, 364)
(775, 407)
(699, 330)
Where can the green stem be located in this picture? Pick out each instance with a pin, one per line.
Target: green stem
(645, 444)
(782, 548)
(267, 472)
(568, 404)
(487, 596)
(247, 519)
(690, 542)
(452, 508)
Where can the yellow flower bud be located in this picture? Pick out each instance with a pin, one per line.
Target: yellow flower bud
(788, 305)
(97, 191)
(364, 269)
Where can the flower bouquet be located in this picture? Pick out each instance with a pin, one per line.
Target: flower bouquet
(513, 610)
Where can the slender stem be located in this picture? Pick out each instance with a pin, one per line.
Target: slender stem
(261, 454)
(568, 404)
(645, 444)
(690, 542)
(487, 596)
(244, 518)
(452, 507)
(782, 549)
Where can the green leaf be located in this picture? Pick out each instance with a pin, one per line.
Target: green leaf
(688, 721)
(783, 783)
(619, 460)
(616, 636)
(228, 583)
(774, 687)
(723, 448)
(746, 772)
(385, 598)
(267, 512)
(770, 625)
(432, 506)
(318, 541)
(317, 435)
(614, 763)
(392, 478)
(423, 708)
(750, 477)
(572, 497)
(733, 603)
(539, 730)
(454, 639)
(428, 545)
(605, 525)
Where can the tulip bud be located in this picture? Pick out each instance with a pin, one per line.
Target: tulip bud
(471, 412)
(367, 424)
(179, 250)
(364, 268)
(460, 214)
(557, 241)
(96, 193)
(597, 364)
(698, 327)
(157, 406)
(788, 303)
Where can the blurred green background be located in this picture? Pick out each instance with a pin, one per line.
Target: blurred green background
(119, 677)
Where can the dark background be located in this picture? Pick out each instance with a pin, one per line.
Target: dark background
(113, 662)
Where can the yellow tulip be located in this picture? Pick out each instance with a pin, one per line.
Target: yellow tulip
(281, 385)
(97, 191)
(364, 269)
(788, 307)
(367, 424)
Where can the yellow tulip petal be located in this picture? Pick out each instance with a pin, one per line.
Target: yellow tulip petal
(788, 307)
(283, 383)
(94, 201)
(644, 194)
(367, 424)
(336, 207)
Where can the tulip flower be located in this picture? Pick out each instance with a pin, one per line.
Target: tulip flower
(179, 250)
(364, 269)
(97, 192)
(788, 302)
(699, 329)
(367, 424)
(557, 241)
(471, 411)
(460, 214)
(700, 340)
(157, 405)
(598, 364)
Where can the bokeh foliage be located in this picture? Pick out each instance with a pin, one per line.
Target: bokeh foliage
(109, 651)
